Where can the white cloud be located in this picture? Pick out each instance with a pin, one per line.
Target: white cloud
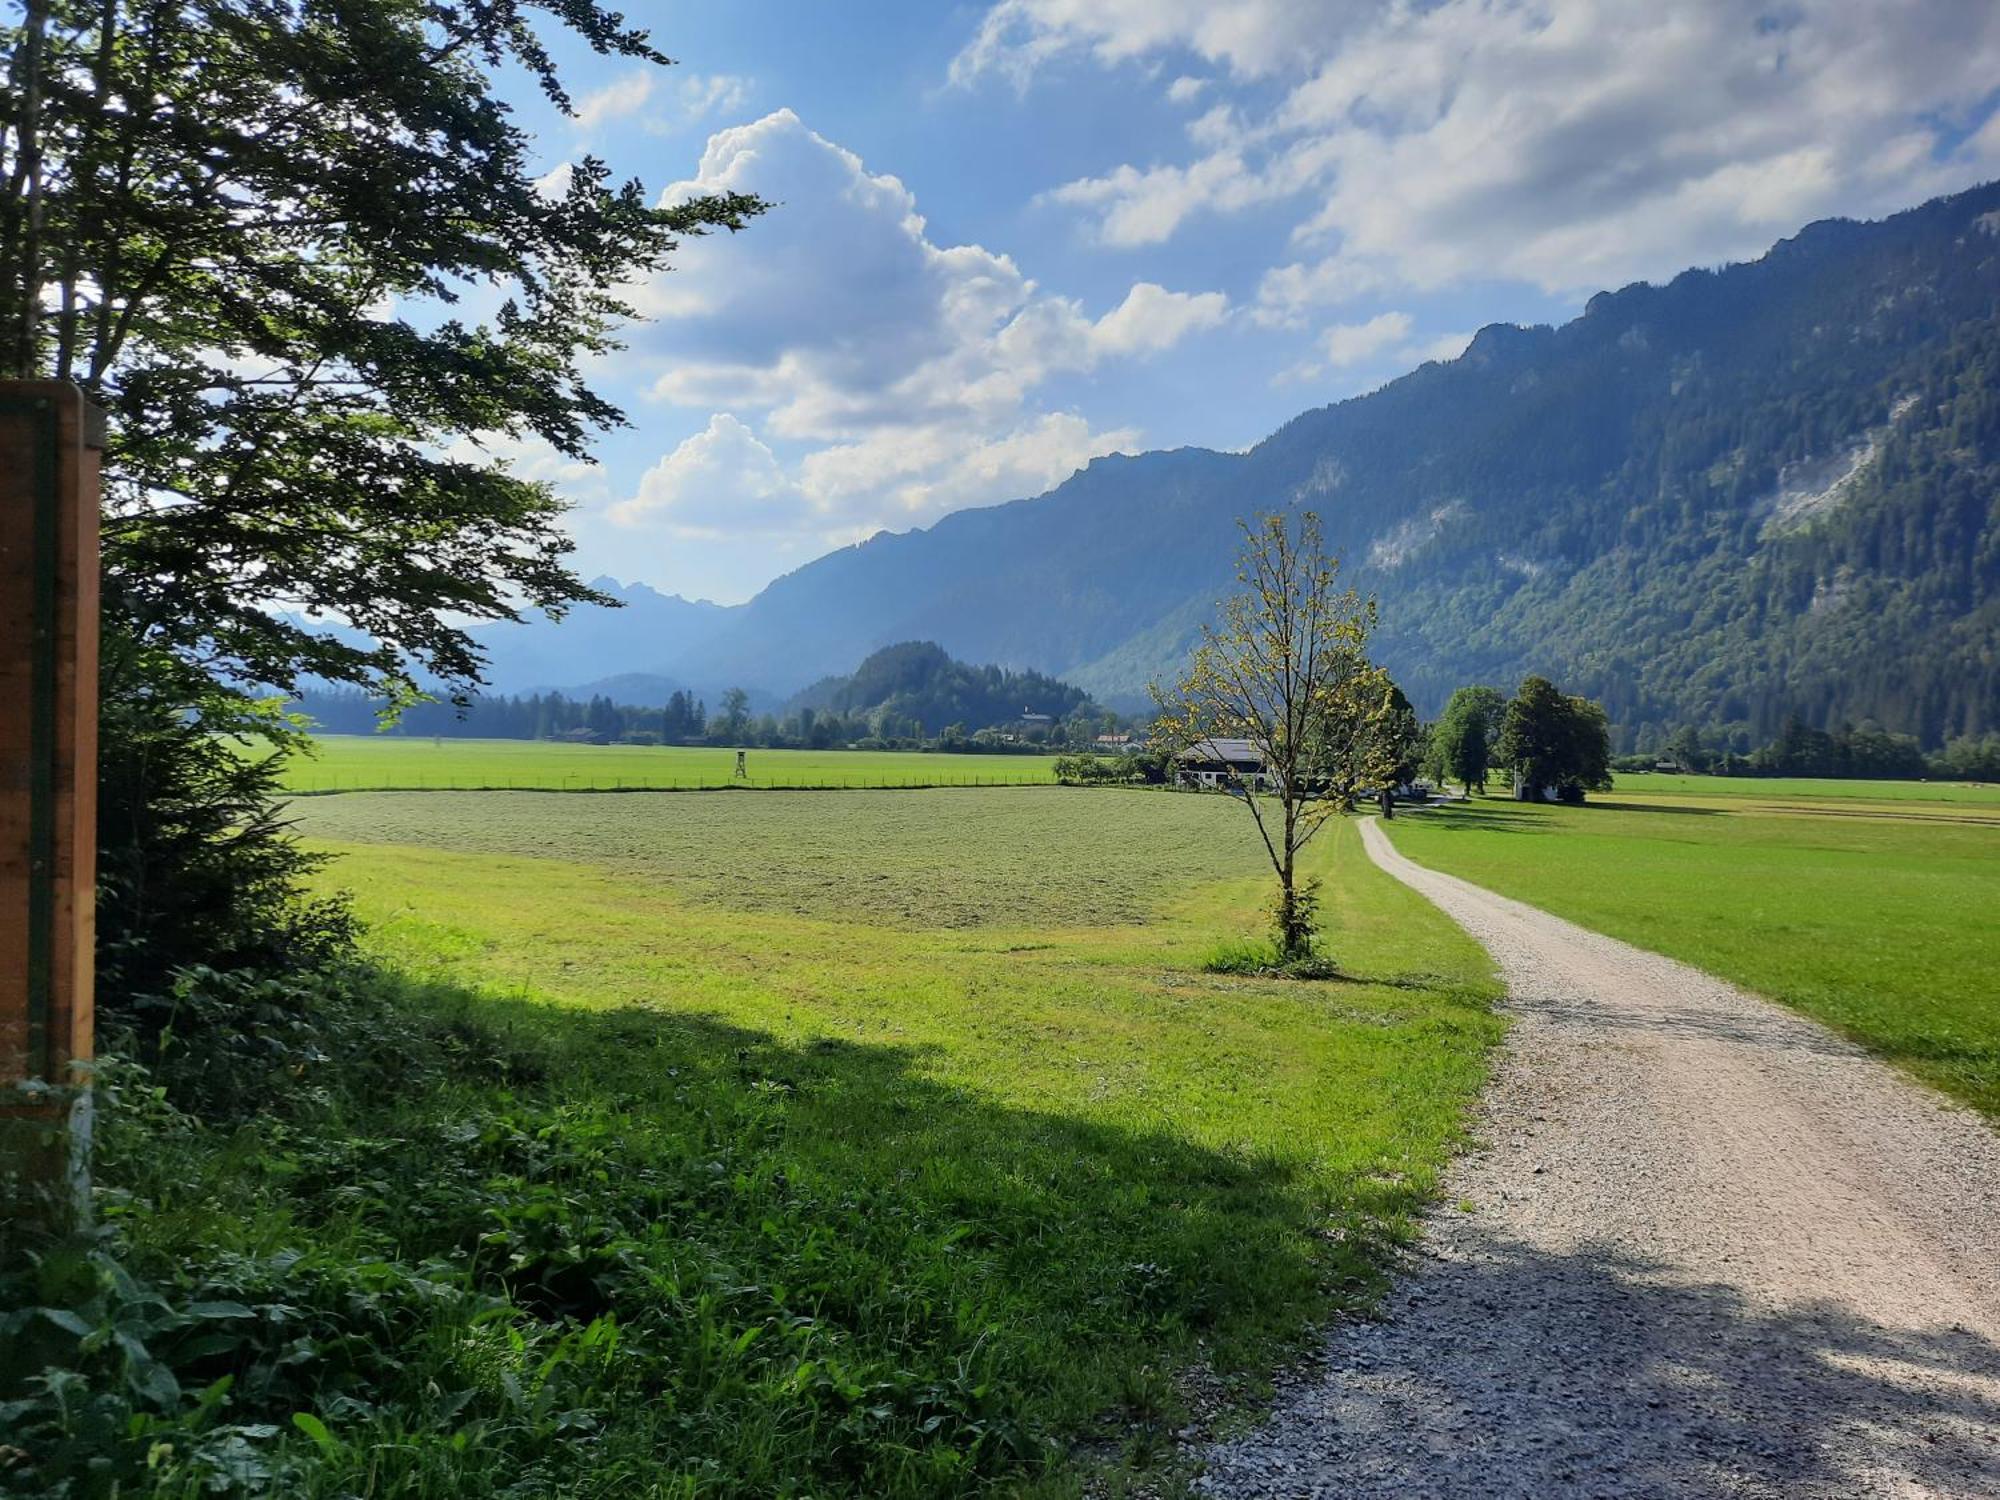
(1151, 319)
(1185, 90)
(1564, 143)
(1287, 295)
(1380, 346)
(1135, 207)
(1444, 347)
(686, 99)
(1351, 343)
(1250, 37)
(892, 378)
(703, 95)
(721, 481)
(618, 99)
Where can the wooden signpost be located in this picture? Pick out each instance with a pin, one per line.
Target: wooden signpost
(50, 439)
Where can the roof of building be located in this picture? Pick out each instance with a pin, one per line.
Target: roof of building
(1232, 752)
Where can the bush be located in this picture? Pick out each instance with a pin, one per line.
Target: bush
(1092, 770)
(196, 863)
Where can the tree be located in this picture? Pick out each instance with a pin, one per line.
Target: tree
(1285, 668)
(735, 720)
(1552, 740)
(247, 229)
(1403, 736)
(1686, 749)
(1462, 740)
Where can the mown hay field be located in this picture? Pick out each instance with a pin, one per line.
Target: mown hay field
(355, 762)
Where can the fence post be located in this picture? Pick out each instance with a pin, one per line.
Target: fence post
(50, 441)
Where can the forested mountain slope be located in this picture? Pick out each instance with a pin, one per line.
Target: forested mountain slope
(1765, 489)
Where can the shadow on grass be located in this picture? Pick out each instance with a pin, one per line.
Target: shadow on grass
(1524, 817)
(1512, 1369)
(828, 1272)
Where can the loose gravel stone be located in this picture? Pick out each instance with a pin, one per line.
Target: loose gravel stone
(1713, 1250)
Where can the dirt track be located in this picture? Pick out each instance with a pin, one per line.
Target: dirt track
(1712, 1250)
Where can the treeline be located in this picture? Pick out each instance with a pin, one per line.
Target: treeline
(1866, 753)
(909, 696)
(537, 716)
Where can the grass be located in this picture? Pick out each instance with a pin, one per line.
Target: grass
(924, 859)
(1878, 922)
(837, 1145)
(355, 762)
(1650, 784)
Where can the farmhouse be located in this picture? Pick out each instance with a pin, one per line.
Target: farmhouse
(1218, 762)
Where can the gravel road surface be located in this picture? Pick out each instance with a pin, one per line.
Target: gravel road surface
(1711, 1250)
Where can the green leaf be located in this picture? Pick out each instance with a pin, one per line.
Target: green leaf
(66, 1320)
(219, 1310)
(317, 1430)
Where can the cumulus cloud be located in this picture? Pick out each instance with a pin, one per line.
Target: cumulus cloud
(1351, 343)
(1564, 143)
(889, 378)
(721, 481)
(617, 100)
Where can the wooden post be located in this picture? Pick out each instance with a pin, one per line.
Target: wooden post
(50, 442)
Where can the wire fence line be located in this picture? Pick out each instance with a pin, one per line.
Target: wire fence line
(334, 785)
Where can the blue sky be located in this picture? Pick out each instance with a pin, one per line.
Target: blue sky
(1012, 236)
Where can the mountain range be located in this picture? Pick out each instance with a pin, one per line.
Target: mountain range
(1764, 490)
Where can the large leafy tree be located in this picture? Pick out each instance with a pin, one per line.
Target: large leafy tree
(1553, 740)
(1463, 739)
(256, 232)
(1286, 668)
(299, 252)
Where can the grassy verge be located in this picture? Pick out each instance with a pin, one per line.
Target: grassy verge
(621, 1183)
(1878, 925)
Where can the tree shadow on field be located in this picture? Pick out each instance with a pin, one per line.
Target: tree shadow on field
(969, 1280)
(1662, 807)
(1508, 1370)
(1499, 816)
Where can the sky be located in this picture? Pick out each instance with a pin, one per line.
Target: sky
(1010, 237)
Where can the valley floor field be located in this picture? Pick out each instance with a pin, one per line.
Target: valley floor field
(1676, 787)
(898, 1143)
(356, 762)
(1708, 1250)
(1880, 925)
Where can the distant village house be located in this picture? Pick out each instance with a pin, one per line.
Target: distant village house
(1220, 763)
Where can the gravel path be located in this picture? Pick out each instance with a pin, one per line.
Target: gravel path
(1712, 1250)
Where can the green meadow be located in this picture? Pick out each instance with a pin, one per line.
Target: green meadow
(356, 762)
(865, 1144)
(1877, 919)
(1812, 789)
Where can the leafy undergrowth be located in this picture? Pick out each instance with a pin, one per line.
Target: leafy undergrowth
(399, 1236)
